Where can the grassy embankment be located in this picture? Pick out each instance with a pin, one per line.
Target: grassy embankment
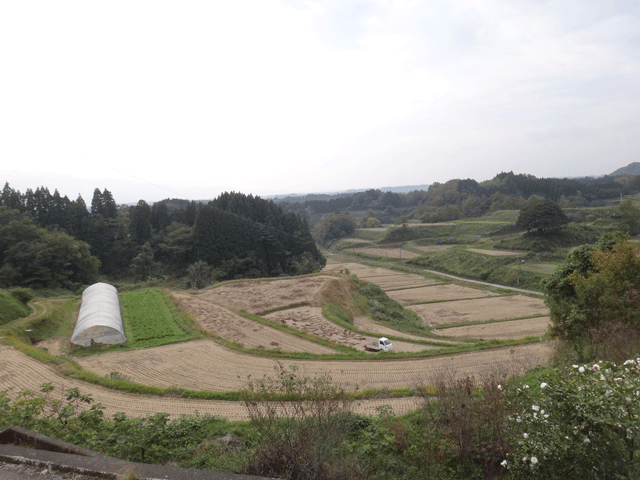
(11, 308)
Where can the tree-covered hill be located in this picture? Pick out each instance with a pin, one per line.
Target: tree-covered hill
(466, 198)
(47, 240)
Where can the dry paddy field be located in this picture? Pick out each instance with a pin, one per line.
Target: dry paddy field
(205, 365)
(479, 310)
(528, 327)
(311, 321)
(434, 293)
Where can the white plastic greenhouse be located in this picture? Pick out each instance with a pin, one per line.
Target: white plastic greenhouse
(99, 319)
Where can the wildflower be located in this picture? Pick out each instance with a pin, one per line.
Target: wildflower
(596, 367)
(574, 366)
(518, 419)
(534, 460)
(535, 407)
(525, 435)
(581, 369)
(602, 377)
(504, 463)
(500, 388)
(586, 440)
(544, 385)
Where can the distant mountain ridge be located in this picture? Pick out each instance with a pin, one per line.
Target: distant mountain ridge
(327, 195)
(631, 169)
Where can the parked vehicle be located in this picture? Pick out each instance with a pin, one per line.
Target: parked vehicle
(381, 345)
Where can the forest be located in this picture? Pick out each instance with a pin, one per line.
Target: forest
(50, 241)
(467, 198)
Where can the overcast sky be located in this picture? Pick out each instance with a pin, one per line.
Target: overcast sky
(157, 99)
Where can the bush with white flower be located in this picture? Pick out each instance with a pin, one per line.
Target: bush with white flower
(582, 422)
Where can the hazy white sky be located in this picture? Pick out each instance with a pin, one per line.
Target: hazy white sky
(157, 99)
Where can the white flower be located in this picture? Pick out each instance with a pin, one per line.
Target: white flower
(500, 388)
(518, 419)
(581, 369)
(602, 377)
(504, 463)
(586, 440)
(525, 435)
(525, 386)
(544, 385)
(596, 367)
(535, 407)
(574, 366)
(534, 460)
(524, 459)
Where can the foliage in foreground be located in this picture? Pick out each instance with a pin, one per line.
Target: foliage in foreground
(581, 422)
(73, 417)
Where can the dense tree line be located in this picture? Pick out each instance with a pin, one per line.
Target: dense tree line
(460, 198)
(235, 234)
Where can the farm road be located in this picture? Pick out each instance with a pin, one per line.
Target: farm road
(479, 282)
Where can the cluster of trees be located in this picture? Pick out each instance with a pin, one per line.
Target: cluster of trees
(594, 299)
(467, 198)
(49, 240)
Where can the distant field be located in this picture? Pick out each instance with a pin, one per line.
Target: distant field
(387, 252)
(544, 268)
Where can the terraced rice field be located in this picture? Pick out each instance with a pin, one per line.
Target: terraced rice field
(206, 365)
(479, 310)
(528, 327)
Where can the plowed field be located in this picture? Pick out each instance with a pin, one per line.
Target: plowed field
(226, 324)
(527, 327)
(479, 310)
(205, 365)
(437, 292)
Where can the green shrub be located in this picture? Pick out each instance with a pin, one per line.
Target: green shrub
(581, 421)
(11, 308)
(24, 295)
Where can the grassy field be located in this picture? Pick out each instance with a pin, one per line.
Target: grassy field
(150, 319)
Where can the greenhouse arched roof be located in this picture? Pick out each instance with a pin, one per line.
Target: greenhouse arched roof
(99, 319)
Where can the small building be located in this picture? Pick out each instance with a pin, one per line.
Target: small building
(100, 319)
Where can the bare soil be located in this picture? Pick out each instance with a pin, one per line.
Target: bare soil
(437, 292)
(263, 295)
(226, 324)
(528, 327)
(479, 310)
